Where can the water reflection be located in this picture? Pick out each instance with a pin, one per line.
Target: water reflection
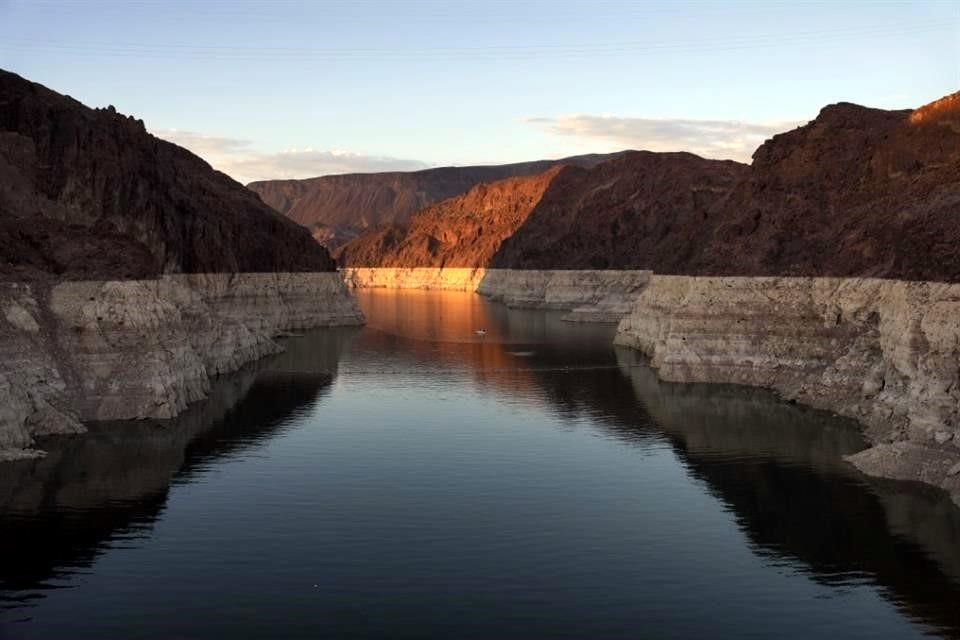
(110, 486)
(776, 469)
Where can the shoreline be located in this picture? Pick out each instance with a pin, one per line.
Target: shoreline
(84, 351)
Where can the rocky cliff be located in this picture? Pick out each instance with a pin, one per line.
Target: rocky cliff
(856, 192)
(88, 193)
(131, 272)
(339, 208)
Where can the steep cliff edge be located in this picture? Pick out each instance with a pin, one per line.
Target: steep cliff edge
(131, 272)
(339, 208)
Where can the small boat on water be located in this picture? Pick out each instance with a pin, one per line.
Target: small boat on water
(481, 332)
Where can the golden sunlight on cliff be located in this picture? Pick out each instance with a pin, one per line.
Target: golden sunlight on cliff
(936, 109)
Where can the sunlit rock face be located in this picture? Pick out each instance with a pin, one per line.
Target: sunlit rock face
(880, 351)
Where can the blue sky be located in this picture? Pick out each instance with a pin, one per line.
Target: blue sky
(292, 89)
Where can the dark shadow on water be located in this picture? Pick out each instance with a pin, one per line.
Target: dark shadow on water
(109, 486)
(779, 469)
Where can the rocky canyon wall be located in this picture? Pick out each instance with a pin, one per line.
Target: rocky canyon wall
(884, 352)
(109, 350)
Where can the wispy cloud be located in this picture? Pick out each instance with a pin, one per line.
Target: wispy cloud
(239, 159)
(720, 139)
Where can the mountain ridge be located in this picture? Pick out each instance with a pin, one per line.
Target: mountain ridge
(88, 193)
(336, 208)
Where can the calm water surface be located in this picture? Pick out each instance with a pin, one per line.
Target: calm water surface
(413, 480)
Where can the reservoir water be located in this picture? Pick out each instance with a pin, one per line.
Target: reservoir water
(413, 479)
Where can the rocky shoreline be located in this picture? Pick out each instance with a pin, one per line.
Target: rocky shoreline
(883, 352)
(92, 350)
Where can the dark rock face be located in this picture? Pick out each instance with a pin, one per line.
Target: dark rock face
(633, 212)
(856, 192)
(88, 193)
(338, 208)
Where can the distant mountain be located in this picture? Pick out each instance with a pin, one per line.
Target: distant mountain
(338, 208)
(607, 216)
(855, 192)
(88, 193)
(465, 230)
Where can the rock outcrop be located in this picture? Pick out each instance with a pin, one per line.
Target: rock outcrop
(339, 208)
(884, 352)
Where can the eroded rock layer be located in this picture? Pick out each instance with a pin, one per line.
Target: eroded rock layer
(110, 350)
(884, 352)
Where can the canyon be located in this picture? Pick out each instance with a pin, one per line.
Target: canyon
(825, 270)
(131, 272)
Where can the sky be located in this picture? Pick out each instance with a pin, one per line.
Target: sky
(291, 89)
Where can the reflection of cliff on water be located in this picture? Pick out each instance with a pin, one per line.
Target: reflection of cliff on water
(779, 469)
(437, 331)
(58, 513)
